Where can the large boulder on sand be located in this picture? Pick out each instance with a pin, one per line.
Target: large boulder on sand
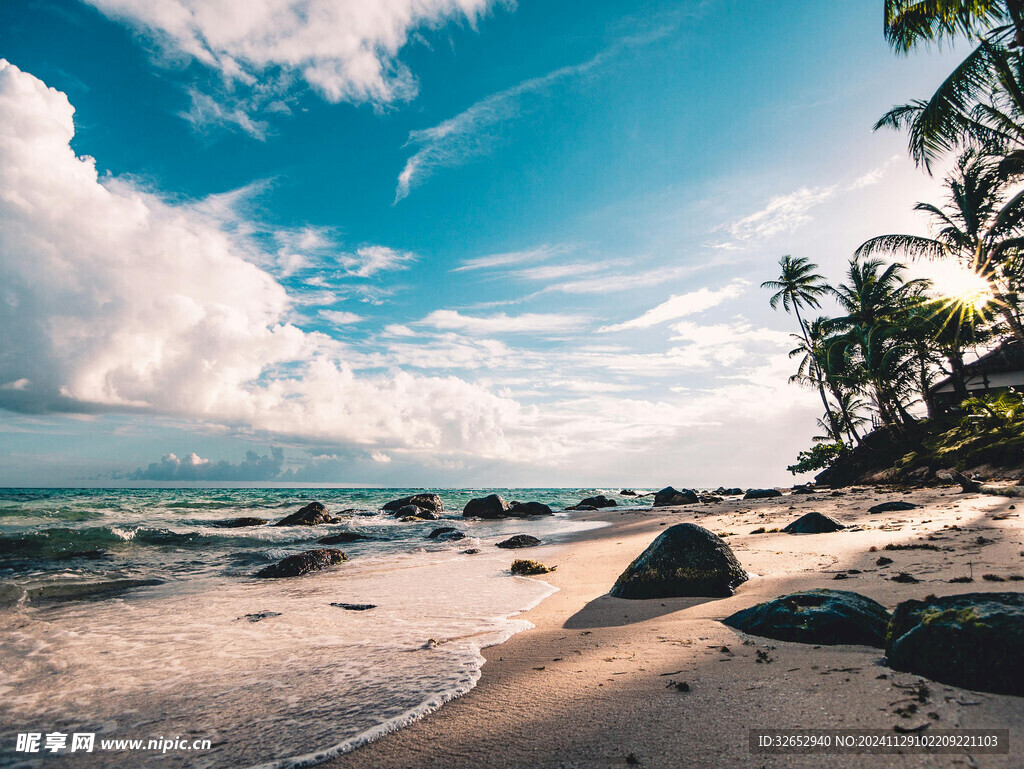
(892, 507)
(491, 506)
(431, 502)
(813, 523)
(529, 508)
(816, 617)
(685, 560)
(312, 514)
(670, 496)
(973, 640)
(303, 563)
(518, 541)
(762, 493)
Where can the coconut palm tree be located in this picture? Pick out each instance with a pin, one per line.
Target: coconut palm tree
(872, 339)
(981, 101)
(799, 286)
(977, 227)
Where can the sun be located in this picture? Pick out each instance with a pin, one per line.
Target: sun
(959, 285)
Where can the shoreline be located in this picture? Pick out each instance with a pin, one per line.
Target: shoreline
(589, 684)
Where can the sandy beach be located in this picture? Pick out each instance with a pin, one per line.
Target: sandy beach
(593, 684)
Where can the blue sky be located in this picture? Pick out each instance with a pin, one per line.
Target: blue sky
(445, 242)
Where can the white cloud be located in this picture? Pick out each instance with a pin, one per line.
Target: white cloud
(511, 257)
(782, 214)
(684, 304)
(469, 134)
(369, 260)
(616, 282)
(340, 317)
(535, 323)
(112, 298)
(347, 50)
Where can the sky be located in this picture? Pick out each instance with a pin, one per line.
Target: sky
(429, 242)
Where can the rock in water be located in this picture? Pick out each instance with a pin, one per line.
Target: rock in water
(431, 502)
(892, 507)
(491, 506)
(446, 534)
(599, 501)
(973, 640)
(415, 511)
(238, 523)
(670, 496)
(816, 617)
(342, 538)
(303, 563)
(685, 560)
(529, 508)
(312, 514)
(813, 523)
(518, 541)
(627, 493)
(762, 493)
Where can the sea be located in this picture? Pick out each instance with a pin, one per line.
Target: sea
(130, 614)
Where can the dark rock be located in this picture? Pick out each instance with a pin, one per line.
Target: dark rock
(414, 511)
(816, 617)
(627, 493)
(966, 484)
(312, 514)
(762, 493)
(529, 509)
(813, 523)
(431, 502)
(341, 538)
(670, 496)
(684, 560)
(491, 506)
(303, 563)
(908, 579)
(471, 551)
(262, 615)
(446, 534)
(525, 568)
(599, 501)
(355, 606)
(518, 541)
(731, 492)
(973, 640)
(238, 523)
(581, 507)
(892, 507)
(803, 488)
(709, 498)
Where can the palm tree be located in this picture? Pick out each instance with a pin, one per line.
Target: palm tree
(873, 337)
(977, 227)
(982, 99)
(800, 286)
(814, 370)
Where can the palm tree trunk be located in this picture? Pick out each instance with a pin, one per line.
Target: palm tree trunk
(829, 415)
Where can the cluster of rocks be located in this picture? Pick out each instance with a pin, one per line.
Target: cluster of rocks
(422, 507)
(494, 506)
(973, 640)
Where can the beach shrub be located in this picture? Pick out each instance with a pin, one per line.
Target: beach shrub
(818, 457)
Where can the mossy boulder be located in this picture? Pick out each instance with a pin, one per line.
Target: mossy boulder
(816, 617)
(671, 496)
(972, 640)
(813, 523)
(491, 506)
(431, 502)
(312, 514)
(762, 494)
(685, 560)
(303, 563)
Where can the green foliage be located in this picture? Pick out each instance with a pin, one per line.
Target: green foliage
(818, 457)
(525, 567)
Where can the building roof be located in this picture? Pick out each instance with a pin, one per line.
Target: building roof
(1001, 367)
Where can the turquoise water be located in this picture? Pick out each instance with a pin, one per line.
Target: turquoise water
(130, 613)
